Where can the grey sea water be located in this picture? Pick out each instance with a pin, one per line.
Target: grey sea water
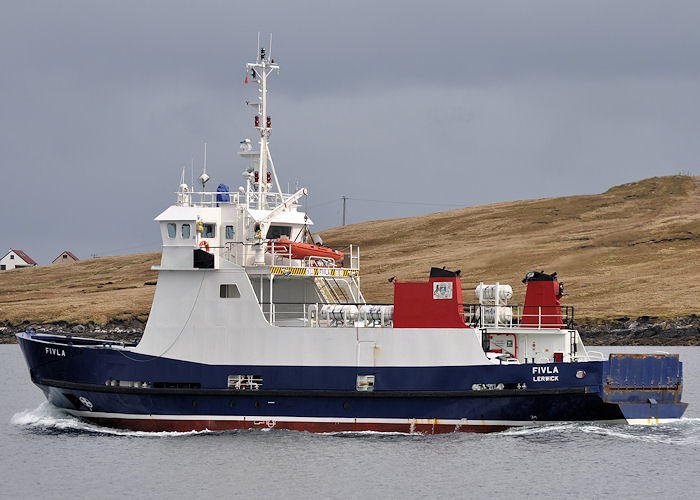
(46, 454)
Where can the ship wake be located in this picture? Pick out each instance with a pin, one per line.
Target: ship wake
(49, 419)
(685, 431)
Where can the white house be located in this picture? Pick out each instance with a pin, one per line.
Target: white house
(14, 259)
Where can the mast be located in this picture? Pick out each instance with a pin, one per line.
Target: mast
(259, 71)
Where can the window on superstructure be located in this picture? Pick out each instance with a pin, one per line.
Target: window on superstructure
(229, 232)
(229, 292)
(208, 230)
(185, 231)
(279, 232)
(171, 229)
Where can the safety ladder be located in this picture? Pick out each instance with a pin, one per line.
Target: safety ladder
(331, 291)
(329, 297)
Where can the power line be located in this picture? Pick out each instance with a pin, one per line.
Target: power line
(323, 204)
(344, 200)
(458, 205)
(392, 202)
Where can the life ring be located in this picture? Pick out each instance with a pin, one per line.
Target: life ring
(204, 244)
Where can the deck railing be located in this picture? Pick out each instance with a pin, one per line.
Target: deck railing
(360, 314)
(243, 253)
(519, 315)
(319, 314)
(209, 199)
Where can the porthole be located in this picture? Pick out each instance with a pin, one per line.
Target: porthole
(232, 404)
(257, 404)
(195, 403)
(346, 406)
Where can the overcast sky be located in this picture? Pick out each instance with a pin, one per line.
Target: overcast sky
(423, 105)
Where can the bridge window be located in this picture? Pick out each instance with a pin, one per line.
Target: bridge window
(229, 232)
(279, 232)
(185, 231)
(208, 230)
(229, 292)
(171, 229)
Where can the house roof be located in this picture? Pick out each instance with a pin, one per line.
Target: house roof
(26, 258)
(70, 254)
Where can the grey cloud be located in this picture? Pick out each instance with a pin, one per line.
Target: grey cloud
(466, 102)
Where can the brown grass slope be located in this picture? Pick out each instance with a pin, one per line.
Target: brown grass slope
(631, 251)
(89, 291)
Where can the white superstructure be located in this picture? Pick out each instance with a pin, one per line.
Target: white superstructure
(229, 293)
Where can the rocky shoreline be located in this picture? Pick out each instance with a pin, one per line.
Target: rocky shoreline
(120, 331)
(644, 330)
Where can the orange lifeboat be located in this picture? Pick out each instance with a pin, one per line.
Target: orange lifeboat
(298, 250)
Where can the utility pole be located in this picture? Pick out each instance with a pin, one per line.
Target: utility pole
(345, 198)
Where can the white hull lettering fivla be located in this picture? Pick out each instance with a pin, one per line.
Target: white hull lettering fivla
(255, 325)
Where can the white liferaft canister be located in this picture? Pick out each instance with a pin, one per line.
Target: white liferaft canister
(488, 293)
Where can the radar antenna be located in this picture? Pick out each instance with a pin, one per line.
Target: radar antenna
(259, 71)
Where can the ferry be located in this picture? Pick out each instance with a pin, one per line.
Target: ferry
(256, 325)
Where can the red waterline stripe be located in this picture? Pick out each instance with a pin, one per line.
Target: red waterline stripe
(154, 425)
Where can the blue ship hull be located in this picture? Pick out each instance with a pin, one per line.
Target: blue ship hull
(79, 376)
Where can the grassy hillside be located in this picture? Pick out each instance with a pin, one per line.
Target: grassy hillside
(95, 290)
(631, 251)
